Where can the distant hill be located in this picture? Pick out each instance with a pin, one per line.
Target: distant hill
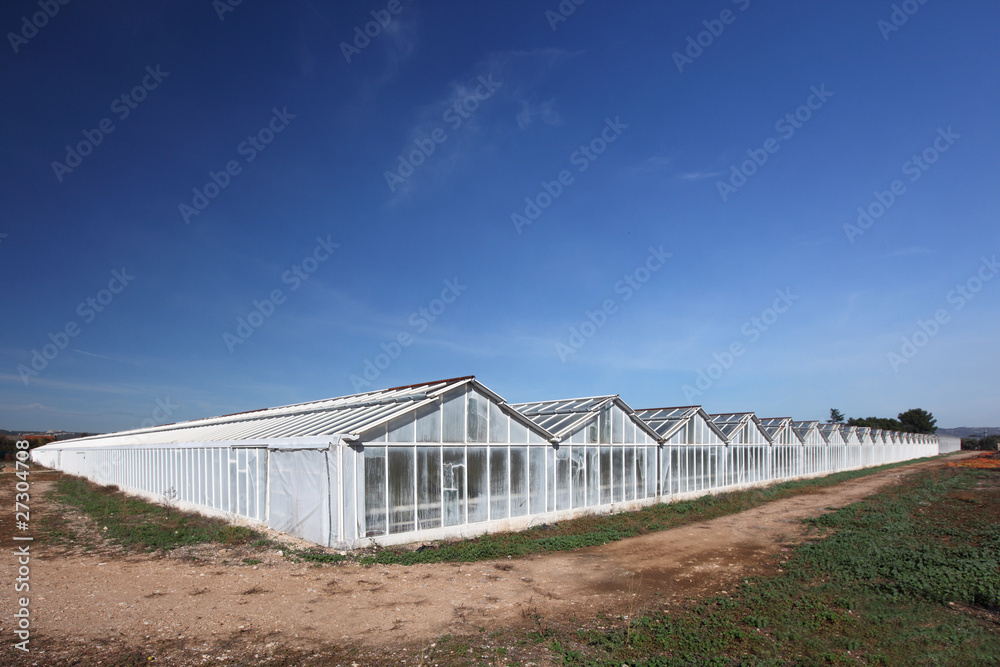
(969, 431)
(58, 435)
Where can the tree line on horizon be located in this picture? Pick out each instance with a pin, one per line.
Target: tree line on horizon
(916, 420)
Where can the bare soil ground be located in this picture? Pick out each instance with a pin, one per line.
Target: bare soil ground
(193, 606)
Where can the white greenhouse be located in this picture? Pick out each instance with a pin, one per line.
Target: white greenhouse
(451, 458)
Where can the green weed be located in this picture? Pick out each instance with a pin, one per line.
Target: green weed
(136, 524)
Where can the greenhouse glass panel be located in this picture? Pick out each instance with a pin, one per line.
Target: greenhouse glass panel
(453, 480)
(617, 426)
(550, 463)
(578, 471)
(562, 478)
(604, 419)
(629, 484)
(453, 416)
(713, 467)
(401, 430)
(651, 478)
(518, 432)
(593, 476)
(673, 471)
(498, 424)
(536, 476)
(699, 468)
(251, 483)
(241, 476)
(205, 460)
(478, 417)
(518, 480)
(374, 491)
(428, 487)
(606, 476)
(499, 483)
(618, 473)
(224, 479)
(429, 424)
(402, 515)
(640, 472)
(216, 490)
(478, 482)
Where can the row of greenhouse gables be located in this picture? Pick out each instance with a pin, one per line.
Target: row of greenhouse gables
(443, 492)
(402, 492)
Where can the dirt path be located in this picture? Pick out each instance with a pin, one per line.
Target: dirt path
(140, 600)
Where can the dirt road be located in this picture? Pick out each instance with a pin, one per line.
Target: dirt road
(140, 600)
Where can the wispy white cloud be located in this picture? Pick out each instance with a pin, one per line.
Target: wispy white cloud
(88, 387)
(698, 175)
(121, 360)
(518, 75)
(907, 252)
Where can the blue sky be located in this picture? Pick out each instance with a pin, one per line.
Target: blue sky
(647, 199)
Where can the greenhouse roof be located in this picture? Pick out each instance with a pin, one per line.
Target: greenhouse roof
(344, 418)
(667, 421)
(832, 433)
(731, 422)
(803, 428)
(563, 417)
(774, 425)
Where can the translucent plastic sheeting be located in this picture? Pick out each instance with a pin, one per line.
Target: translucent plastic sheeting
(300, 494)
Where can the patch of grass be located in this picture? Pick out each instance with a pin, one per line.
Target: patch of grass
(594, 530)
(878, 590)
(136, 524)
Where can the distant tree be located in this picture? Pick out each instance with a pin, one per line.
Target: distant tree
(918, 421)
(989, 444)
(836, 417)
